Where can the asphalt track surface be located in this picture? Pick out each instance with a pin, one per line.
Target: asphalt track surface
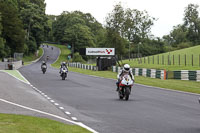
(94, 102)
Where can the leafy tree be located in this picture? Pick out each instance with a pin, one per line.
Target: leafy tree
(131, 25)
(79, 36)
(13, 31)
(35, 21)
(2, 42)
(192, 22)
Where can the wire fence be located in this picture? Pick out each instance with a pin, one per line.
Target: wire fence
(169, 59)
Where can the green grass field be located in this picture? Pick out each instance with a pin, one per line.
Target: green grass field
(28, 59)
(175, 60)
(16, 74)
(27, 124)
(187, 86)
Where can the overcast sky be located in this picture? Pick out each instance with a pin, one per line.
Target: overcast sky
(168, 12)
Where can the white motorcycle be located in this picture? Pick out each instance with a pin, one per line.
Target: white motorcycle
(125, 87)
(64, 72)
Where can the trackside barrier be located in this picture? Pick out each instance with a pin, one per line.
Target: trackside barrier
(153, 73)
(82, 66)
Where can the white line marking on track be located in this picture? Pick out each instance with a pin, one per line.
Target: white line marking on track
(48, 98)
(56, 104)
(52, 101)
(68, 113)
(56, 116)
(74, 118)
(61, 108)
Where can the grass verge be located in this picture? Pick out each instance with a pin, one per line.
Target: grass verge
(16, 74)
(187, 86)
(183, 59)
(27, 124)
(28, 59)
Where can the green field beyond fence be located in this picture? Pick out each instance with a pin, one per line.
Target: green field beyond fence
(188, 58)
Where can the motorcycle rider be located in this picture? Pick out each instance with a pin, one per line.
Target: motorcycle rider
(63, 65)
(43, 63)
(125, 70)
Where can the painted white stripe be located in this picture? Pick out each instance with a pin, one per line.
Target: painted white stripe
(56, 104)
(52, 101)
(74, 118)
(48, 98)
(56, 116)
(68, 113)
(61, 108)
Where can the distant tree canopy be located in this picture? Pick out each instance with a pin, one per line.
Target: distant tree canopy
(77, 29)
(186, 34)
(24, 26)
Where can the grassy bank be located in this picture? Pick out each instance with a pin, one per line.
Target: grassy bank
(175, 60)
(188, 86)
(27, 124)
(32, 57)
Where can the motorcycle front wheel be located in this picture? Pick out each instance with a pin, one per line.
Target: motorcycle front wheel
(127, 93)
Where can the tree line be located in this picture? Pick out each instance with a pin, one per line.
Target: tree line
(24, 26)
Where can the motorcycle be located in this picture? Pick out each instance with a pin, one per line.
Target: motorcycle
(64, 72)
(199, 100)
(125, 87)
(44, 68)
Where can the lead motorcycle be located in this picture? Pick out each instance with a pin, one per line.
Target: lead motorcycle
(125, 87)
(44, 68)
(63, 72)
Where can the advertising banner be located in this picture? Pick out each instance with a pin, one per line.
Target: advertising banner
(100, 51)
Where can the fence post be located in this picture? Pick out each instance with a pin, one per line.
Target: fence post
(185, 60)
(173, 59)
(192, 60)
(153, 59)
(168, 59)
(158, 59)
(163, 59)
(199, 59)
(179, 60)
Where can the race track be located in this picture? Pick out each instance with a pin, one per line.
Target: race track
(94, 102)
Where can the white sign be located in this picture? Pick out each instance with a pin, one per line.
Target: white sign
(100, 51)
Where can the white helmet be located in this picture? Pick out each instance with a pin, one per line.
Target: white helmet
(126, 67)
